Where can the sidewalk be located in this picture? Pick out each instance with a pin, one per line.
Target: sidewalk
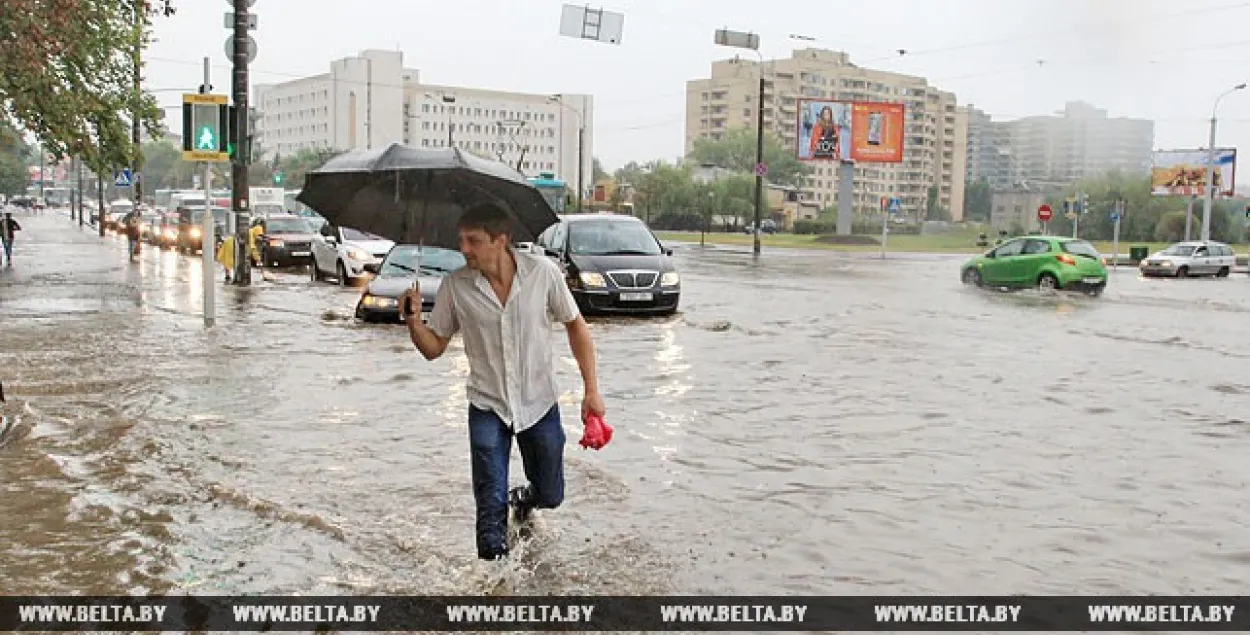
(59, 266)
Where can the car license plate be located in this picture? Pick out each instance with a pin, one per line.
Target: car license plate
(635, 297)
(1092, 280)
(299, 254)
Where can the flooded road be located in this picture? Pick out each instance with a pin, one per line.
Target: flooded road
(814, 423)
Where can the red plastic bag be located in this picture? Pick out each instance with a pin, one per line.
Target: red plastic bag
(596, 433)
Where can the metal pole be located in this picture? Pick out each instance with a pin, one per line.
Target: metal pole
(759, 160)
(1115, 234)
(81, 207)
(885, 229)
(581, 160)
(242, 148)
(99, 215)
(207, 233)
(1209, 195)
(1189, 215)
(41, 172)
(136, 162)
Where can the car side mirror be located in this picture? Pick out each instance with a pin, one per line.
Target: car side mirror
(372, 267)
(551, 252)
(990, 254)
(668, 251)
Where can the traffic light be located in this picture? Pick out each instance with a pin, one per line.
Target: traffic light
(277, 178)
(205, 120)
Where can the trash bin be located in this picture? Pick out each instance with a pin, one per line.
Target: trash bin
(1138, 253)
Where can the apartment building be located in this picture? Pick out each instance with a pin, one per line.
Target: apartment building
(1052, 151)
(372, 100)
(935, 139)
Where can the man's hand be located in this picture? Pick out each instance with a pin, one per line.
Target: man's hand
(592, 403)
(410, 297)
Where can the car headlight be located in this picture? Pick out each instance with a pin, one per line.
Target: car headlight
(669, 279)
(276, 243)
(195, 232)
(1167, 263)
(378, 302)
(357, 254)
(591, 279)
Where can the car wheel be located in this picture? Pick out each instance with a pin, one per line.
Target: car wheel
(972, 276)
(1094, 292)
(1047, 282)
(316, 271)
(1223, 273)
(344, 279)
(1183, 272)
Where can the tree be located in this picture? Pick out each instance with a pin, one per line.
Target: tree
(932, 208)
(736, 151)
(294, 167)
(67, 74)
(163, 166)
(13, 155)
(978, 201)
(597, 172)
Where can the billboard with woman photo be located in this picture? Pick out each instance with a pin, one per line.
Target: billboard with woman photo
(824, 130)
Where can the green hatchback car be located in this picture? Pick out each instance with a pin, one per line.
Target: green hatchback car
(1046, 262)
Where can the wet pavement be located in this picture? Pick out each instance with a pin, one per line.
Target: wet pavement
(814, 423)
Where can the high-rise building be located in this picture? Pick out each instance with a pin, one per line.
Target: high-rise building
(933, 145)
(372, 100)
(1052, 151)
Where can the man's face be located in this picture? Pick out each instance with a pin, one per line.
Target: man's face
(480, 250)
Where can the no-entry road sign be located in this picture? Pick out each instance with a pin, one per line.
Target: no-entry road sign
(1044, 213)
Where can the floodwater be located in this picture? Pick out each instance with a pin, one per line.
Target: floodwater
(814, 423)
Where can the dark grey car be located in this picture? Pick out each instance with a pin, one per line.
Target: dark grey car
(403, 264)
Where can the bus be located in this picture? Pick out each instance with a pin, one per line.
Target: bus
(553, 190)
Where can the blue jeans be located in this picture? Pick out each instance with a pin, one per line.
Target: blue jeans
(8, 250)
(542, 455)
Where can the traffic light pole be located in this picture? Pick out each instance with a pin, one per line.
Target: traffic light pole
(242, 149)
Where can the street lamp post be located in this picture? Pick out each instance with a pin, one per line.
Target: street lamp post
(581, 146)
(751, 41)
(1209, 195)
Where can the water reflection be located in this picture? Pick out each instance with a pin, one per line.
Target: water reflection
(851, 414)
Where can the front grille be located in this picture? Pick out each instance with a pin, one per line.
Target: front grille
(634, 279)
(302, 246)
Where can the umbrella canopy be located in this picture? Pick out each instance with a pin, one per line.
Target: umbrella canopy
(416, 195)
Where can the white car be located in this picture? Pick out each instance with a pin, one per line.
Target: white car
(1192, 258)
(342, 253)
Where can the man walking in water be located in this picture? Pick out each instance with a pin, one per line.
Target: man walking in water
(8, 231)
(500, 303)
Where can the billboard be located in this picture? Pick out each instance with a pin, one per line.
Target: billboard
(862, 131)
(1184, 172)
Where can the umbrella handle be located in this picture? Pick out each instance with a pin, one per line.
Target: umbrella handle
(406, 309)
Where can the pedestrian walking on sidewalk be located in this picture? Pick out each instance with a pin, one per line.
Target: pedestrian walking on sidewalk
(8, 231)
(501, 303)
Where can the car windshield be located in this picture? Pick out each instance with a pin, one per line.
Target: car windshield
(403, 260)
(611, 237)
(1179, 250)
(356, 234)
(1081, 248)
(288, 226)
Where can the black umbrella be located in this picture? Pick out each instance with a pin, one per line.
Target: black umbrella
(416, 195)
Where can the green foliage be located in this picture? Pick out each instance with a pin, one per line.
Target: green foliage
(736, 151)
(67, 74)
(978, 201)
(1146, 217)
(13, 155)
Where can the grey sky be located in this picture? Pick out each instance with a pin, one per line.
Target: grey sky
(1141, 58)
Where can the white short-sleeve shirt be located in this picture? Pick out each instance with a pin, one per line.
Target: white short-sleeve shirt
(511, 359)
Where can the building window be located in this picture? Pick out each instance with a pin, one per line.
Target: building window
(425, 143)
(425, 108)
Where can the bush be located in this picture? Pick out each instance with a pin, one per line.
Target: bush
(815, 227)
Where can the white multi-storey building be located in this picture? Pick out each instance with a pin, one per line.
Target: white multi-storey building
(371, 101)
